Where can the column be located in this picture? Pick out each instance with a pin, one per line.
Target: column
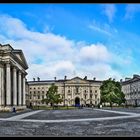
(88, 94)
(0, 86)
(82, 95)
(19, 88)
(14, 86)
(8, 85)
(24, 102)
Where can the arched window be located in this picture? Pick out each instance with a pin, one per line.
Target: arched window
(77, 89)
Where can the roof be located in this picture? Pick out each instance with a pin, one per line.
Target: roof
(132, 80)
(60, 80)
(15, 54)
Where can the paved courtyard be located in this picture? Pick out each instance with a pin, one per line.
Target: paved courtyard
(78, 122)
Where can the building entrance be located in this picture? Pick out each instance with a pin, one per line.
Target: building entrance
(77, 101)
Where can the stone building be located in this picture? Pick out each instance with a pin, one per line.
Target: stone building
(74, 91)
(13, 68)
(131, 89)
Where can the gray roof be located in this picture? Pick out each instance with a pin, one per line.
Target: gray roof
(57, 81)
(132, 80)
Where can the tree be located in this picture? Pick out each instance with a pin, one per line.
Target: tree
(111, 92)
(52, 96)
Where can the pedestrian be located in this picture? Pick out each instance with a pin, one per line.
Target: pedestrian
(14, 109)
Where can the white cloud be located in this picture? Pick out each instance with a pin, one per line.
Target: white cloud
(59, 56)
(131, 10)
(101, 71)
(95, 53)
(48, 29)
(57, 68)
(109, 11)
(105, 29)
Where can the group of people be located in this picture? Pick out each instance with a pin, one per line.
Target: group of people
(88, 105)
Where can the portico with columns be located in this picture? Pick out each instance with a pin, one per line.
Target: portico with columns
(12, 78)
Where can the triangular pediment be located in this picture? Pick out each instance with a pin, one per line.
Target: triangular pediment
(20, 56)
(77, 80)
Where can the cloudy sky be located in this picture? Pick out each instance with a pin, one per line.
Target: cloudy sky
(93, 40)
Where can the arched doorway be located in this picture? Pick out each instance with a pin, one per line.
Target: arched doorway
(77, 101)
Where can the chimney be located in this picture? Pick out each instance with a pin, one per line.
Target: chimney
(33, 79)
(94, 78)
(65, 77)
(126, 79)
(113, 79)
(121, 80)
(85, 78)
(38, 78)
(55, 78)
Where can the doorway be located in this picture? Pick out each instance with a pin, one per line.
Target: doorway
(77, 101)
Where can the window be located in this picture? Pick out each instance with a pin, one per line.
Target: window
(90, 95)
(85, 96)
(30, 92)
(42, 87)
(42, 96)
(68, 91)
(42, 91)
(38, 91)
(34, 88)
(95, 102)
(30, 88)
(95, 96)
(38, 87)
(30, 97)
(76, 89)
(85, 91)
(90, 91)
(34, 92)
(95, 91)
(38, 97)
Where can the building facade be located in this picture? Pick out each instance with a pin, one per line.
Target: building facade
(131, 89)
(74, 91)
(13, 68)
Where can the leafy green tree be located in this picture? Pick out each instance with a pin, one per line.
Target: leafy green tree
(111, 92)
(52, 96)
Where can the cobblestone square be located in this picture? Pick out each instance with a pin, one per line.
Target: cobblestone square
(78, 122)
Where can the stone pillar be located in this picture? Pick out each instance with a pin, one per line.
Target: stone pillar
(82, 95)
(19, 88)
(88, 94)
(0, 86)
(23, 94)
(72, 97)
(14, 86)
(8, 85)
